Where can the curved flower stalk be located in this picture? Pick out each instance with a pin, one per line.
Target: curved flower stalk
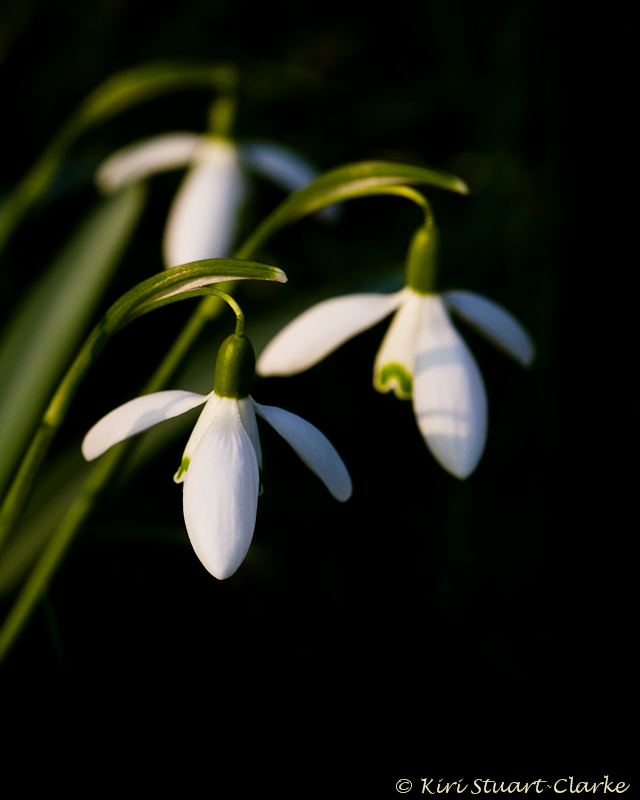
(204, 215)
(422, 356)
(221, 462)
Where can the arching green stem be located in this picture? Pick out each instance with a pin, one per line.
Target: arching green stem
(222, 111)
(314, 199)
(150, 294)
(117, 94)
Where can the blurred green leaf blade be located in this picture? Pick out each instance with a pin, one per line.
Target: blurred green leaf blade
(45, 332)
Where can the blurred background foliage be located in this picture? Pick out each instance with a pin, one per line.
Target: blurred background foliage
(424, 584)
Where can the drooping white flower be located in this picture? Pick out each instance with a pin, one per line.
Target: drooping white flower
(422, 357)
(204, 215)
(221, 462)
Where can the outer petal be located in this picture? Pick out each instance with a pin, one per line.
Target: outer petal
(393, 367)
(284, 167)
(449, 398)
(495, 322)
(313, 447)
(135, 416)
(221, 493)
(322, 329)
(142, 159)
(205, 421)
(204, 215)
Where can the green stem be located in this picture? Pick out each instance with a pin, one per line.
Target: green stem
(37, 582)
(278, 217)
(35, 182)
(51, 421)
(207, 309)
(238, 312)
(46, 565)
(222, 111)
(136, 302)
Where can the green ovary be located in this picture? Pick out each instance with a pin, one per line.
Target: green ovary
(396, 377)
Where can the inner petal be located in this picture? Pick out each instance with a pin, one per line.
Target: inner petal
(393, 368)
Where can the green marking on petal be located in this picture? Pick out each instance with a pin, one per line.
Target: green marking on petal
(396, 377)
(184, 466)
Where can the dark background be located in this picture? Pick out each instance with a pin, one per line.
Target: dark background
(422, 589)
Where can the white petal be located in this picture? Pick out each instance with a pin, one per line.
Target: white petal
(204, 215)
(322, 329)
(494, 322)
(221, 493)
(285, 168)
(313, 447)
(135, 416)
(205, 420)
(449, 398)
(142, 159)
(248, 417)
(393, 366)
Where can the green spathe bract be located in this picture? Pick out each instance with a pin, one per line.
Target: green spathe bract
(235, 368)
(354, 180)
(179, 283)
(362, 179)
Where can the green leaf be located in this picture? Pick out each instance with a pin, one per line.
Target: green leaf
(184, 282)
(388, 172)
(46, 331)
(361, 179)
(133, 86)
(173, 284)
(60, 484)
(120, 92)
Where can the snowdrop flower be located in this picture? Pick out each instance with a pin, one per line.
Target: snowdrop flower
(422, 356)
(221, 462)
(204, 214)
